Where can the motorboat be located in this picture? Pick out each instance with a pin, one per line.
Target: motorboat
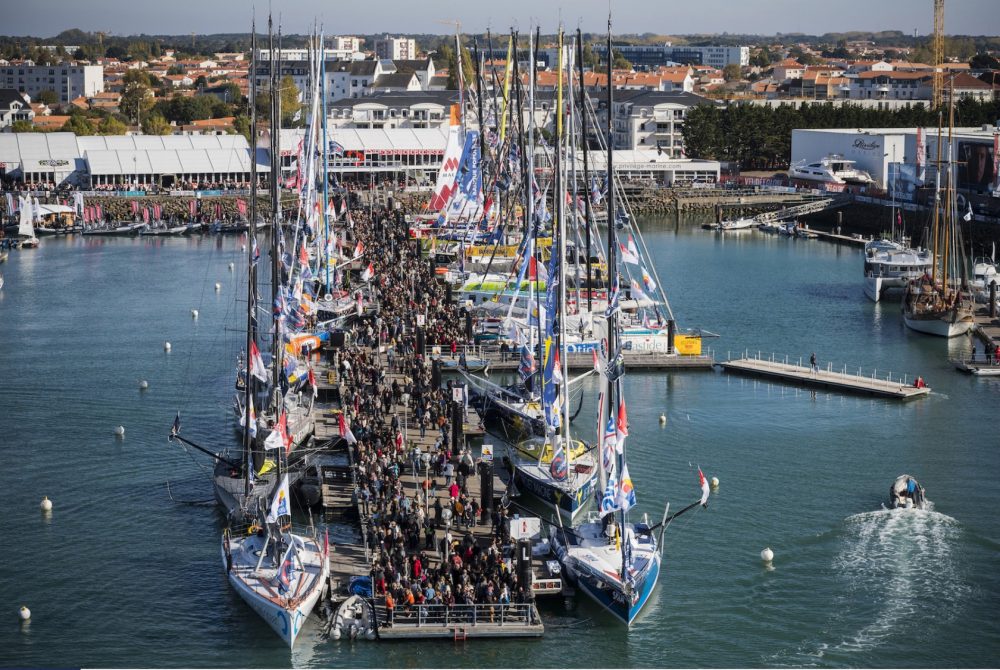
(831, 169)
(907, 493)
(531, 462)
(891, 265)
(736, 224)
(355, 618)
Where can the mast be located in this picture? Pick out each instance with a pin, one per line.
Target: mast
(561, 221)
(251, 271)
(937, 205)
(586, 180)
(275, 209)
(949, 216)
(326, 166)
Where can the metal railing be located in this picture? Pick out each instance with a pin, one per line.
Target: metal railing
(784, 359)
(443, 616)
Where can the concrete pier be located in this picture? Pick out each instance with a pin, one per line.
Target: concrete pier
(839, 381)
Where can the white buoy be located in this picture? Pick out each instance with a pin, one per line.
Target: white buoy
(194, 314)
(25, 613)
(143, 385)
(46, 504)
(715, 482)
(231, 266)
(218, 287)
(767, 555)
(120, 431)
(166, 346)
(663, 419)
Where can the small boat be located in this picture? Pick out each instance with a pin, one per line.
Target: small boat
(116, 229)
(984, 368)
(737, 224)
(907, 493)
(354, 619)
(469, 363)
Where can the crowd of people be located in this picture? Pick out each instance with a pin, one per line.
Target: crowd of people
(420, 552)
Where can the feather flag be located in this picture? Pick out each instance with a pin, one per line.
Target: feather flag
(704, 487)
(257, 368)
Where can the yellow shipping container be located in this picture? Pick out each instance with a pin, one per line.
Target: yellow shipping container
(687, 345)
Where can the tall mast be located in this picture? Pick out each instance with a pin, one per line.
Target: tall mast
(937, 206)
(275, 206)
(586, 179)
(326, 165)
(559, 230)
(251, 271)
(950, 222)
(479, 106)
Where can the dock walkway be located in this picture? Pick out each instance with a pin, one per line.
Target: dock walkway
(840, 381)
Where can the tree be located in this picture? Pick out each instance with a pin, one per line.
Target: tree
(155, 124)
(136, 101)
(117, 52)
(48, 97)
(732, 72)
(762, 58)
(174, 70)
(22, 126)
(200, 82)
(111, 126)
(78, 124)
(619, 62)
(242, 126)
(589, 57)
(289, 99)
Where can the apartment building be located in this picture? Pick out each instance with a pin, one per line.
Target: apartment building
(67, 80)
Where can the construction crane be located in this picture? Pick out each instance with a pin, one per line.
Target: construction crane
(937, 50)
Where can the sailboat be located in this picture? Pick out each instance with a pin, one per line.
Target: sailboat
(556, 468)
(614, 561)
(25, 225)
(280, 574)
(941, 303)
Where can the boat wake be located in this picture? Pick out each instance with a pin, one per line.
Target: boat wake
(899, 574)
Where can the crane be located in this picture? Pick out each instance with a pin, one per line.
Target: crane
(937, 50)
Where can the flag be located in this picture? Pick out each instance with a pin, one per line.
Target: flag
(610, 500)
(303, 255)
(608, 448)
(287, 570)
(648, 281)
(312, 382)
(345, 430)
(621, 426)
(527, 365)
(176, 428)
(559, 468)
(626, 492)
(280, 504)
(268, 465)
(704, 487)
(368, 272)
(613, 299)
(335, 148)
(359, 249)
(253, 420)
(257, 368)
(629, 253)
(637, 292)
(557, 375)
(273, 441)
(595, 192)
(297, 115)
(611, 433)
(283, 432)
(597, 363)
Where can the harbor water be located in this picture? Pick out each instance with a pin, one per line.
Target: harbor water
(126, 570)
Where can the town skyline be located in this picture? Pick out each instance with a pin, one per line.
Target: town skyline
(754, 17)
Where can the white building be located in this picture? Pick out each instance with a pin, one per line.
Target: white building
(344, 78)
(428, 109)
(653, 120)
(68, 80)
(876, 149)
(396, 48)
(330, 53)
(14, 107)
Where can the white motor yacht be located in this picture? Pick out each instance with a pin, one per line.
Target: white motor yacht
(832, 169)
(891, 265)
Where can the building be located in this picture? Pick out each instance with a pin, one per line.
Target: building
(65, 159)
(396, 48)
(67, 80)
(14, 107)
(644, 57)
(652, 120)
(334, 52)
(344, 78)
(385, 111)
(654, 166)
(886, 152)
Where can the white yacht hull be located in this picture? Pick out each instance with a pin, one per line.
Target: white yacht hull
(941, 327)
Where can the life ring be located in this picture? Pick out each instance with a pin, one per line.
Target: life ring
(328, 297)
(253, 529)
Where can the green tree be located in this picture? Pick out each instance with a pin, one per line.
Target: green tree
(78, 124)
(155, 124)
(174, 70)
(732, 72)
(111, 126)
(200, 82)
(23, 127)
(136, 101)
(589, 57)
(242, 126)
(619, 62)
(48, 97)
(289, 99)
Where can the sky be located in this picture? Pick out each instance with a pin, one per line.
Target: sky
(46, 18)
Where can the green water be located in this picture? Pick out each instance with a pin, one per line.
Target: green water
(126, 572)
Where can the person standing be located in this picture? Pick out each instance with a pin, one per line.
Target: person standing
(812, 362)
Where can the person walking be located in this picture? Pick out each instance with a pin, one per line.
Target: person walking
(812, 363)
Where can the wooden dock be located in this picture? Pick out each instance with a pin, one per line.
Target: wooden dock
(987, 328)
(853, 240)
(838, 381)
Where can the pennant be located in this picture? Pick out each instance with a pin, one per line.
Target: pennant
(257, 368)
(280, 504)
